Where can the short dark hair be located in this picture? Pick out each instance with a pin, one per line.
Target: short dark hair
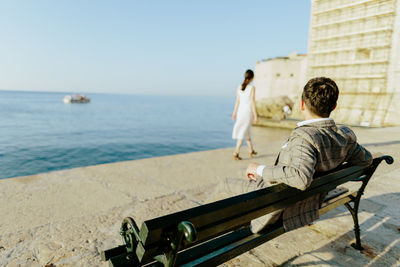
(320, 96)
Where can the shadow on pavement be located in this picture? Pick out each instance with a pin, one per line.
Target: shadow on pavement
(380, 236)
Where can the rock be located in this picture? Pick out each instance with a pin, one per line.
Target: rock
(276, 108)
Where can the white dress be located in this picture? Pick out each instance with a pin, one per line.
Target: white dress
(244, 115)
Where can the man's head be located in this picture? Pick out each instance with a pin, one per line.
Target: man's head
(320, 95)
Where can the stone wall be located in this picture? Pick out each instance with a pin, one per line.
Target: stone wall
(280, 76)
(356, 43)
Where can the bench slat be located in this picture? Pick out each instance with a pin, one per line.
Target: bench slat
(107, 254)
(214, 244)
(336, 202)
(335, 192)
(235, 249)
(123, 260)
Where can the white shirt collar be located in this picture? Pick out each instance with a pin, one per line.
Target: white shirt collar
(313, 120)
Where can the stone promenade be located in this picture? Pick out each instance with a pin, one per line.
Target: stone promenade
(65, 218)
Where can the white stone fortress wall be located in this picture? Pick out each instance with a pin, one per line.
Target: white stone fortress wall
(280, 76)
(357, 44)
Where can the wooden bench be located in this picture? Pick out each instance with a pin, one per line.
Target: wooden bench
(211, 234)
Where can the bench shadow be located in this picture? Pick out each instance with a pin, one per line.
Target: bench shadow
(380, 237)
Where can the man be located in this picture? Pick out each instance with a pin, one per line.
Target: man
(316, 145)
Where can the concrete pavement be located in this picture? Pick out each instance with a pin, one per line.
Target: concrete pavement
(67, 217)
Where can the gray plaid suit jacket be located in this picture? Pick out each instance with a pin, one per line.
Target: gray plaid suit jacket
(315, 147)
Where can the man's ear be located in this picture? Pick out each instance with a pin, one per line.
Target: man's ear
(334, 107)
(302, 105)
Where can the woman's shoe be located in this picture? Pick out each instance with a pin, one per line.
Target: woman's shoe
(236, 156)
(253, 153)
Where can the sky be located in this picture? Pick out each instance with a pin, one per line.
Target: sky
(144, 47)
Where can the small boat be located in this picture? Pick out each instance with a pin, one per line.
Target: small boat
(76, 99)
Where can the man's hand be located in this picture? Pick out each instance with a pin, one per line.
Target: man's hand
(251, 171)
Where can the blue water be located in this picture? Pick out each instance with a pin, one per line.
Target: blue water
(39, 133)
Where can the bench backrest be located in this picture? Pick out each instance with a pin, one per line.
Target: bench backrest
(232, 213)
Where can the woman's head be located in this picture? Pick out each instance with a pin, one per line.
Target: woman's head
(248, 77)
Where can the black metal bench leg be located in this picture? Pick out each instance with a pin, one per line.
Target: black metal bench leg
(354, 211)
(354, 214)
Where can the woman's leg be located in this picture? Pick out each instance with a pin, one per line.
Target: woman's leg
(239, 143)
(249, 144)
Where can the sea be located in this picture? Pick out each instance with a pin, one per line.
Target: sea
(39, 133)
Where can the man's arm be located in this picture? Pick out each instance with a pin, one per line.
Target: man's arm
(360, 156)
(298, 172)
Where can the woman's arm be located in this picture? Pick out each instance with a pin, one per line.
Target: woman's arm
(253, 104)
(236, 106)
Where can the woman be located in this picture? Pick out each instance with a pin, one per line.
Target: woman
(244, 113)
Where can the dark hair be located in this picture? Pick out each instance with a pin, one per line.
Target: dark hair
(249, 74)
(320, 95)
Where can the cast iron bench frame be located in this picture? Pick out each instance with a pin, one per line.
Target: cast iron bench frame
(211, 234)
